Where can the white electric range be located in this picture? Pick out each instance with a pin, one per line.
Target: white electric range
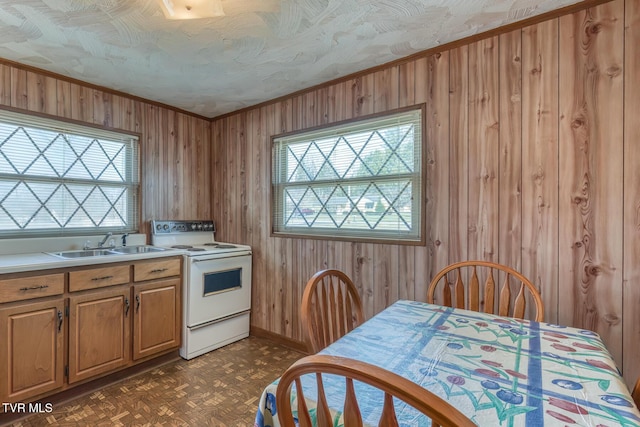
(216, 287)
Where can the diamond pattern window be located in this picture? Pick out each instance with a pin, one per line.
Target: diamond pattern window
(361, 179)
(60, 178)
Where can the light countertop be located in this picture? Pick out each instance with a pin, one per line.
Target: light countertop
(33, 254)
(15, 263)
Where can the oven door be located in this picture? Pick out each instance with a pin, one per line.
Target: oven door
(217, 288)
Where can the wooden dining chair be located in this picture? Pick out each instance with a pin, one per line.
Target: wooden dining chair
(635, 394)
(438, 410)
(466, 289)
(330, 308)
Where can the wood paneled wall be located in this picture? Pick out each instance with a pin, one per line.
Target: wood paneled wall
(532, 162)
(174, 147)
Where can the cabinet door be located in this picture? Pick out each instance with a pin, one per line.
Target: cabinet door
(99, 332)
(157, 317)
(31, 350)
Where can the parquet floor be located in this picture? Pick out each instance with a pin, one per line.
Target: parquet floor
(220, 388)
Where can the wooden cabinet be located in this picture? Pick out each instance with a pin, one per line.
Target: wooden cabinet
(156, 319)
(88, 322)
(99, 332)
(31, 349)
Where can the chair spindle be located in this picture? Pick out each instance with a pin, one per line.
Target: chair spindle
(304, 420)
(334, 320)
(459, 291)
(520, 304)
(323, 413)
(446, 292)
(505, 298)
(489, 293)
(388, 417)
(341, 317)
(351, 414)
(474, 292)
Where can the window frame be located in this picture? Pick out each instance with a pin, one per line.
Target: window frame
(54, 123)
(321, 234)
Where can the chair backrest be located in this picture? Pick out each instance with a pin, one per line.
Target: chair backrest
(330, 308)
(440, 411)
(467, 295)
(635, 394)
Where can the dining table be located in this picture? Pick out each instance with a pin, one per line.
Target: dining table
(498, 371)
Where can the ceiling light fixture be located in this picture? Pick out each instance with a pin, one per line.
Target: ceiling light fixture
(191, 9)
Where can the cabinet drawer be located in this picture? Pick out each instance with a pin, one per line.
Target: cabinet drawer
(31, 287)
(98, 278)
(156, 269)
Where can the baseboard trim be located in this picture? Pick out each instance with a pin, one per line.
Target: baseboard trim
(279, 339)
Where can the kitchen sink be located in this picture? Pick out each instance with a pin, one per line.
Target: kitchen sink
(104, 252)
(83, 253)
(138, 249)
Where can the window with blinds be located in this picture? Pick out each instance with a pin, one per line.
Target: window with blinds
(361, 179)
(59, 178)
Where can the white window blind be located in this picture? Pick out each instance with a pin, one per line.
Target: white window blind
(360, 179)
(61, 178)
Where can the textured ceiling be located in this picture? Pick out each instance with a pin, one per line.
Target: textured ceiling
(260, 50)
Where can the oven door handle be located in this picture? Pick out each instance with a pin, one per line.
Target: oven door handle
(221, 319)
(223, 257)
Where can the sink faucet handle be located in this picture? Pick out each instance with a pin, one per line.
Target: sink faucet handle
(87, 245)
(103, 241)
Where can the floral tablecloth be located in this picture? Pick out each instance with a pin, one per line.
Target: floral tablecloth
(499, 371)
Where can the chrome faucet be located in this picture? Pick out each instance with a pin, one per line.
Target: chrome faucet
(87, 245)
(103, 241)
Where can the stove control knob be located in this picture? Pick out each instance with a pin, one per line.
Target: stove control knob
(159, 227)
(165, 227)
(199, 226)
